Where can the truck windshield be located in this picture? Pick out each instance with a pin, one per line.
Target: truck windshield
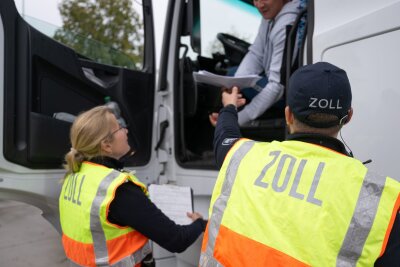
(233, 17)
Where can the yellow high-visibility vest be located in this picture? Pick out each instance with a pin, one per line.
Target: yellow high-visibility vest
(297, 204)
(89, 239)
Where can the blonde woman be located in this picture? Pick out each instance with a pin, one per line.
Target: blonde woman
(105, 213)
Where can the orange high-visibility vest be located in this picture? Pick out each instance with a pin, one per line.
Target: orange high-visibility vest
(297, 204)
(89, 239)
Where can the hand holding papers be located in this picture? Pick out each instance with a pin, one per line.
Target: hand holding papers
(225, 81)
(174, 201)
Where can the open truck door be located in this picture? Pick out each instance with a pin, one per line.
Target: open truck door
(42, 79)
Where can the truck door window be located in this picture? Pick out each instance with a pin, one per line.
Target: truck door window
(108, 33)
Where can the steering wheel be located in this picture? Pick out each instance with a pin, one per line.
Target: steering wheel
(235, 48)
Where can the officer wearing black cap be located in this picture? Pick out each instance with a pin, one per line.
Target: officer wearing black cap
(319, 102)
(321, 88)
(304, 201)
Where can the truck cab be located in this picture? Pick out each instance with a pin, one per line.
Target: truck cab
(48, 73)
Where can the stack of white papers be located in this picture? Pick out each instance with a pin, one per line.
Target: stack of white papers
(225, 81)
(174, 201)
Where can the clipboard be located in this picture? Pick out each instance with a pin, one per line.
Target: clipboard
(174, 201)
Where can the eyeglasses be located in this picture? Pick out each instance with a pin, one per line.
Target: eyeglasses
(119, 129)
(114, 132)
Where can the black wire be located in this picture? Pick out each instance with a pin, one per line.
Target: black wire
(341, 137)
(350, 152)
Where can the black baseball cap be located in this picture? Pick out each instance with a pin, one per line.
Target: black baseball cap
(319, 88)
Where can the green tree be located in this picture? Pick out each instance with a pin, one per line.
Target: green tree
(107, 31)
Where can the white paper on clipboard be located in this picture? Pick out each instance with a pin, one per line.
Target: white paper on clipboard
(174, 201)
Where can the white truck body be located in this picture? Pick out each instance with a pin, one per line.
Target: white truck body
(359, 36)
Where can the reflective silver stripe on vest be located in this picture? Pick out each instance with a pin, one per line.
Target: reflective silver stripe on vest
(135, 258)
(220, 203)
(139, 255)
(99, 238)
(205, 260)
(362, 220)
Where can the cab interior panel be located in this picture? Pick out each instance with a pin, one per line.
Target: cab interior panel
(197, 101)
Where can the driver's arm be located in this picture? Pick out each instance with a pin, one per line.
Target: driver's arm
(273, 91)
(252, 63)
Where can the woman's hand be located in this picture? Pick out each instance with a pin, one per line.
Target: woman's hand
(194, 216)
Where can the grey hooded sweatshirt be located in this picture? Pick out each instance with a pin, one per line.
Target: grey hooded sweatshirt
(265, 54)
